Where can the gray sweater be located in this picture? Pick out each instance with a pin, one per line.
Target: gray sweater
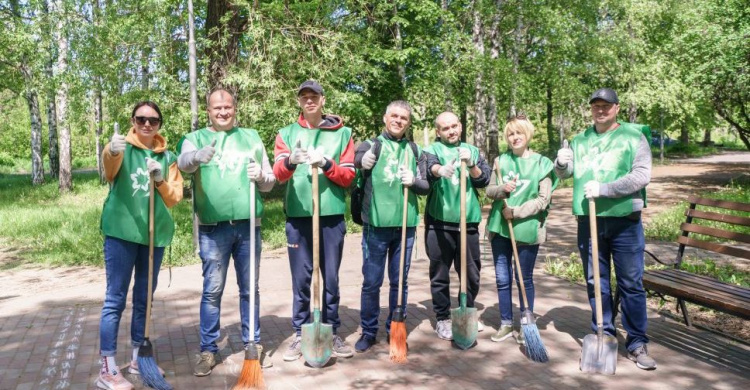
(630, 184)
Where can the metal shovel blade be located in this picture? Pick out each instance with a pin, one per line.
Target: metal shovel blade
(464, 324)
(317, 340)
(599, 354)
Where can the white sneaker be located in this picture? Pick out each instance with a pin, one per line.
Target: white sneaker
(117, 381)
(444, 329)
(480, 326)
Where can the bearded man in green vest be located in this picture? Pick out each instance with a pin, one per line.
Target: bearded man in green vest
(223, 159)
(611, 163)
(319, 140)
(442, 216)
(387, 163)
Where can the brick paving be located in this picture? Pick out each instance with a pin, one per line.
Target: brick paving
(51, 342)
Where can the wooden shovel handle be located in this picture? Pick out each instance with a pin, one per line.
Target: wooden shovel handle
(595, 262)
(316, 238)
(462, 225)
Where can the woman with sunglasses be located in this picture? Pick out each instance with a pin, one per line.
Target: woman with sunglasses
(521, 185)
(130, 161)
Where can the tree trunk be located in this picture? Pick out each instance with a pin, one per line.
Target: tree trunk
(517, 37)
(223, 48)
(193, 74)
(447, 88)
(632, 107)
(480, 98)
(98, 119)
(707, 137)
(684, 134)
(399, 46)
(54, 153)
(145, 54)
(551, 141)
(66, 175)
(493, 126)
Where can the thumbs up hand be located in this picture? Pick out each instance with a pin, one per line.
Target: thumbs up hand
(511, 185)
(117, 144)
(205, 154)
(564, 155)
(299, 155)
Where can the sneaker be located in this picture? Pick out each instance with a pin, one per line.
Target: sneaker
(365, 342)
(133, 368)
(520, 339)
(503, 333)
(341, 348)
(295, 349)
(641, 358)
(444, 329)
(206, 363)
(265, 362)
(117, 381)
(480, 326)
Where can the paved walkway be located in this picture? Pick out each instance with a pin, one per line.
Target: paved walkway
(51, 342)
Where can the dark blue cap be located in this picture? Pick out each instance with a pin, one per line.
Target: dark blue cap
(311, 85)
(606, 94)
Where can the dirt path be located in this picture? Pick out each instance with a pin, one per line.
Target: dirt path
(670, 184)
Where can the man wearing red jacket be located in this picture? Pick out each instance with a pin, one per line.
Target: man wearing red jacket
(320, 140)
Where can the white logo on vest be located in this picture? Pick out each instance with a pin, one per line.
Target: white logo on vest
(391, 172)
(140, 181)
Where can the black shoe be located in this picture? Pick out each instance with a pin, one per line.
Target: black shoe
(364, 343)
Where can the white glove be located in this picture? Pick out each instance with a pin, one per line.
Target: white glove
(316, 158)
(205, 154)
(154, 169)
(407, 176)
(254, 171)
(117, 144)
(298, 156)
(369, 160)
(564, 155)
(511, 185)
(591, 189)
(446, 171)
(464, 154)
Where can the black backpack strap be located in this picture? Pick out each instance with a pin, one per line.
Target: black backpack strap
(415, 149)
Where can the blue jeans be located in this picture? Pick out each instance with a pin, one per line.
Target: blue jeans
(120, 258)
(378, 246)
(217, 243)
(622, 240)
(502, 254)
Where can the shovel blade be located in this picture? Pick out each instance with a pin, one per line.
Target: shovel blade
(599, 354)
(464, 326)
(317, 340)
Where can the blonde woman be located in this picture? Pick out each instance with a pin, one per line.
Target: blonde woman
(521, 186)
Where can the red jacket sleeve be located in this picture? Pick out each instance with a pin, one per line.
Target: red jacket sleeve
(342, 173)
(281, 167)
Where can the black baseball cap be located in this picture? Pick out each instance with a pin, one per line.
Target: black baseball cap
(311, 85)
(606, 94)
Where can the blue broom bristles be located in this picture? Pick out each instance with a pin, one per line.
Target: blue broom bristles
(150, 372)
(535, 349)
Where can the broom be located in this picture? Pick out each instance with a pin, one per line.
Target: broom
(398, 325)
(146, 364)
(535, 349)
(251, 376)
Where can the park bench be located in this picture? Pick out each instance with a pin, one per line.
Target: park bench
(697, 289)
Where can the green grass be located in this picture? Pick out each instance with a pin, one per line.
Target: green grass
(666, 225)
(724, 273)
(63, 230)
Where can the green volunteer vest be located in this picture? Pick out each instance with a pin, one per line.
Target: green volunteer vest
(222, 189)
(298, 197)
(604, 158)
(444, 197)
(125, 213)
(387, 197)
(530, 171)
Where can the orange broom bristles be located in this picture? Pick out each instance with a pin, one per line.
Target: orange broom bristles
(251, 377)
(398, 342)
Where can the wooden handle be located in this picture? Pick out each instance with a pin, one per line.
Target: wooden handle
(252, 257)
(462, 225)
(150, 252)
(519, 273)
(402, 255)
(595, 262)
(316, 240)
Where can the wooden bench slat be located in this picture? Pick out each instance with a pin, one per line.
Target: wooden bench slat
(709, 285)
(718, 217)
(712, 246)
(713, 294)
(724, 204)
(714, 232)
(698, 296)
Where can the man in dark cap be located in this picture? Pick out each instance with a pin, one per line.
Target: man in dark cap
(611, 163)
(319, 140)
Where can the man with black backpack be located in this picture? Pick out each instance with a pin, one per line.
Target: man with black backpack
(387, 163)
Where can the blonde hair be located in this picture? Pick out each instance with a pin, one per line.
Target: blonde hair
(520, 125)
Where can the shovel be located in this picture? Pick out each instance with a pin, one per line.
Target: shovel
(463, 319)
(599, 351)
(317, 338)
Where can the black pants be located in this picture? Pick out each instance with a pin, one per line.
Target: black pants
(444, 248)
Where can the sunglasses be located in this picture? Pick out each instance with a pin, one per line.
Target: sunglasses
(141, 120)
(520, 116)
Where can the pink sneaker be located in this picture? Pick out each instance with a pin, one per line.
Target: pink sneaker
(108, 381)
(133, 368)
